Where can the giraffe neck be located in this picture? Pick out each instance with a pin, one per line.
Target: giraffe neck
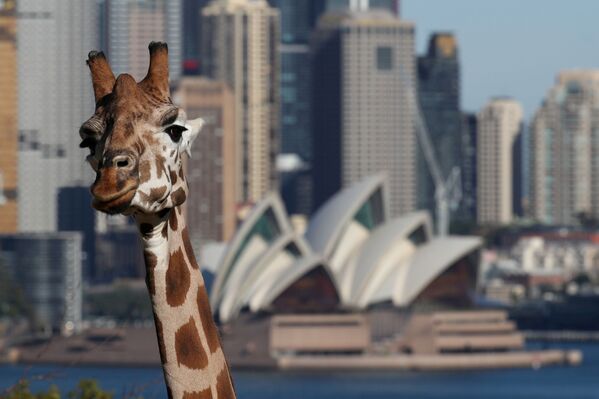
(190, 350)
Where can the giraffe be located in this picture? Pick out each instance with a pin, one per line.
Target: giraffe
(136, 139)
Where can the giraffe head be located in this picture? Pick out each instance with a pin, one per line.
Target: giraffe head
(136, 138)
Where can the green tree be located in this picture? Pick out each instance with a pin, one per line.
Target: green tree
(87, 389)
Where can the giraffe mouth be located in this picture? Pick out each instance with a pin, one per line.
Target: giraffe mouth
(116, 202)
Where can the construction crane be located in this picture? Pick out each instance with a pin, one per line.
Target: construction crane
(448, 192)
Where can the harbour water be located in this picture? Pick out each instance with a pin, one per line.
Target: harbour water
(552, 382)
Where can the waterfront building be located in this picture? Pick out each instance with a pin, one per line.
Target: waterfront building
(499, 127)
(353, 256)
(8, 117)
(48, 268)
(54, 97)
(240, 42)
(130, 25)
(363, 64)
(211, 171)
(439, 95)
(564, 148)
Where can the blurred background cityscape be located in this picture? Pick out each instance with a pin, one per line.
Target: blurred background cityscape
(320, 114)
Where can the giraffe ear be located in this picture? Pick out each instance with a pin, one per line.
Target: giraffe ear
(193, 128)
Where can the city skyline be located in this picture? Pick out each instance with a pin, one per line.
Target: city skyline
(511, 43)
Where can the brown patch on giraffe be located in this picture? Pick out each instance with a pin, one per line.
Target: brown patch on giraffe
(173, 221)
(177, 279)
(164, 231)
(207, 321)
(188, 347)
(159, 166)
(179, 196)
(173, 177)
(224, 385)
(181, 173)
(157, 193)
(160, 334)
(205, 394)
(188, 249)
(151, 262)
(144, 172)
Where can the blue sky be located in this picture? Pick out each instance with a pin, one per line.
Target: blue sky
(511, 47)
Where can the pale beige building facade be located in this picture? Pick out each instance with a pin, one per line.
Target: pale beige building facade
(240, 42)
(211, 169)
(499, 124)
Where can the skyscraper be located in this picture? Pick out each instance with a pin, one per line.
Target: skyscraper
(297, 21)
(8, 117)
(54, 98)
(499, 128)
(192, 35)
(211, 169)
(564, 150)
(363, 61)
(130, 25)
(439, 94)
(467, 210)
(240, 41)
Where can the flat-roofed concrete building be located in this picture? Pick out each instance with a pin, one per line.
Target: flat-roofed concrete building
(363, 65)
(8, 117)
(565, 150)
(211, 170)
(240, 40)
(499, 130)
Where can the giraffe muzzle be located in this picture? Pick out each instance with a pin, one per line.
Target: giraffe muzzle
(116, 182)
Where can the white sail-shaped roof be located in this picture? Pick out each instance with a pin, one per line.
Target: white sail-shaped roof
(427, 263)
(332, 219)
(243, 282)
(266, 223)
(389, 246)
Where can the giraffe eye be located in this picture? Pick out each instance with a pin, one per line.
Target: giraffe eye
(175, 132)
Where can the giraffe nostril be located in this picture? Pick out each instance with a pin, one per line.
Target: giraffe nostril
(121, 161)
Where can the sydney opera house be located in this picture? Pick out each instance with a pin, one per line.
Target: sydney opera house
(353, 257)
(353, 282)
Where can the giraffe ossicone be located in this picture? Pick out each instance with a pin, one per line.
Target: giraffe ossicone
(137, 138)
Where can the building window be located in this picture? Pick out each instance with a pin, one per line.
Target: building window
(384, 58)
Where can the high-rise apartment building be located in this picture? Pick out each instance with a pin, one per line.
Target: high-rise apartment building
(54, 98)
(211, 207)
(130, 25)
(439, 94)
(564, 149)
(499, 129)
(363, 63)
(8, 117)
(240, 42)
